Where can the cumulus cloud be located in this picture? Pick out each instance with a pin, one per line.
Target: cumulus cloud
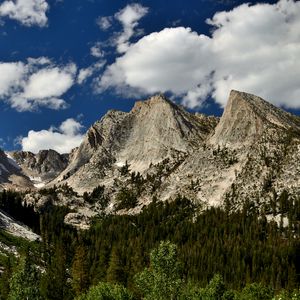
(254, 48)
(38, 82)
(85, 73)
(27, 12)
(11, 75)
(63, 139)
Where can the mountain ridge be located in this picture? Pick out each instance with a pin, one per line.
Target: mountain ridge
(243, 155)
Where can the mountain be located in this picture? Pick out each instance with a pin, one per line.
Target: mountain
(11, 175)
(247, 157)
(22, 169)
(41, 167)
(158, 150)
(152, 131)
(247, 117)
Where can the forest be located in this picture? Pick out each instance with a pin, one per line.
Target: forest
(171, 250)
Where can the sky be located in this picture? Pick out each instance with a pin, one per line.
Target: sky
(65, 63)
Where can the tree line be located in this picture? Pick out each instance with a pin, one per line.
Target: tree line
(246, 251)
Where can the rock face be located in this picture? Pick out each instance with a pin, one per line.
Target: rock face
(246, 117)
(41, 167)
(11, 175)
(248, 154)
(15, 228)
(152, 131)
(159, 150)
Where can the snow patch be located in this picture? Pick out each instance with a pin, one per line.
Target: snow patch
(120, 164)
(39, 185)
(37, 182)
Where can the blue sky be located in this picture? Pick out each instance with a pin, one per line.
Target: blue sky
(64, 63)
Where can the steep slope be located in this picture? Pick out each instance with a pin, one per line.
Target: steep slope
(159, 150)
(251, 156)
(16, 228)
(152, 131)
(246, 117)
(11, 175)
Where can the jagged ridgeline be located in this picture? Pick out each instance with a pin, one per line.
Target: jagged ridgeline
(250, 153)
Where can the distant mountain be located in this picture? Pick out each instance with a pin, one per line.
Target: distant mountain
(41, 167)
(11, 174)
(21, 169)
(159, 150)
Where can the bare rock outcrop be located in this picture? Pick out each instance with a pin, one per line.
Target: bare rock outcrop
(152, 131)
(247, 117)
(158, 151)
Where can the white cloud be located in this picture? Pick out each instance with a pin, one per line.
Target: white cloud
(128, 17)
(63, 140)
(11, 75)
(27, 12)
(252, 48)
(39, 82)
(85, 73)
(38, 86)
(97, 51)
(104, 22)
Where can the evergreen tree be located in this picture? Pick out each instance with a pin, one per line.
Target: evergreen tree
(24, 283)
(54, 283)
(106, 291)
(162, 280)
(80, 267)
(115, 271)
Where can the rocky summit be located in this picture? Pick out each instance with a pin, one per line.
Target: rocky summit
(159, 150)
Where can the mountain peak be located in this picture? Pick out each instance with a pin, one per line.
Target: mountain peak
(154, 101)
(246, 117)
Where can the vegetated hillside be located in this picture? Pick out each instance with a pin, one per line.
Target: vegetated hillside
(242, 246)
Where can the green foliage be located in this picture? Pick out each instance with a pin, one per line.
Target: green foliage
(124, 170)
(285, 295)
(54, 282)
(5, 277)
(24, 283)
(97, 196)
(126, 199)
(241, 245)
(162, 280)
(115, 271)
(106, 291)
(215, 290)
(256, 291)
(80, 278)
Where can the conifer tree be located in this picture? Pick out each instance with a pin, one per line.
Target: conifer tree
(80, 278)
(24, 283)
(162, 280)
